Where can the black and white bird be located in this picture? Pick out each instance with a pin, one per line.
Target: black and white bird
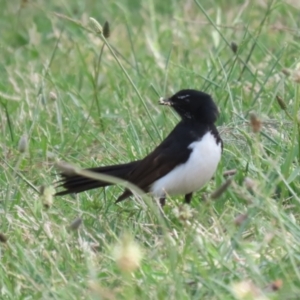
(182, 164)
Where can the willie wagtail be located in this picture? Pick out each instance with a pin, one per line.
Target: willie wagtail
(184, 162)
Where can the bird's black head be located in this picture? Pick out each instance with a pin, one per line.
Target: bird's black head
(193, 105)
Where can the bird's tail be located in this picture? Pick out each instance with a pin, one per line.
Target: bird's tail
(73, 183)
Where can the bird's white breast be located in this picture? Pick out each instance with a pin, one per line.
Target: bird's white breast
(194, 173)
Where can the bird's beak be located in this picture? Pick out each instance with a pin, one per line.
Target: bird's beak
(165, 102)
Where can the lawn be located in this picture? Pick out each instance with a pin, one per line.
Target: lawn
(68, 94)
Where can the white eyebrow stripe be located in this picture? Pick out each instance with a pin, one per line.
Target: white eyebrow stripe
(183, 96)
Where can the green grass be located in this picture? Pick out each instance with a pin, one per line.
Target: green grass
(67, 92)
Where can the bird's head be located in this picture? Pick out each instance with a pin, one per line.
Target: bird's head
(193, 105)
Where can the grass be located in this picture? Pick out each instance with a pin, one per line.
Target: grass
(70, 96)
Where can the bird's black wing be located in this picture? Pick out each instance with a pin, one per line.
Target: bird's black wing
(172, 152)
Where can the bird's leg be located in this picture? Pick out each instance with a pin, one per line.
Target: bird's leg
(162, 201)
(188, 198)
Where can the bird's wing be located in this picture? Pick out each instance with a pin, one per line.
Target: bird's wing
(172, 152)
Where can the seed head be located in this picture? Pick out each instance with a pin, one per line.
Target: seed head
(255, 122)
(245, 290)
(249, 183)
(296, 76)
(127, 254)
(23, 143)
(75, 224)
(281, 102)
(97, 27)
(220, 190)
(239, 220)
(3, 238)
(52, 96)
(286, 72)
(276, 285)
(234, 47)
(106, 30)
